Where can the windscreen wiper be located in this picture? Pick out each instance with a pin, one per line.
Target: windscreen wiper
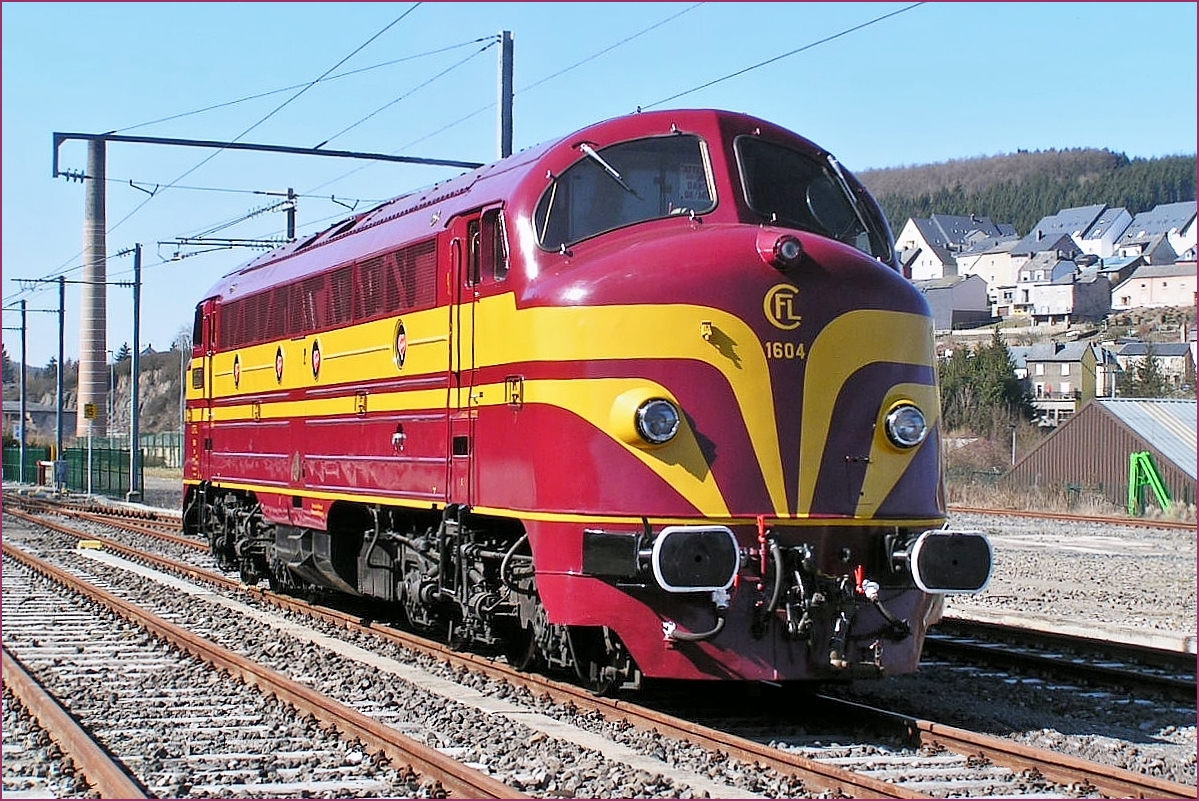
(608, 168)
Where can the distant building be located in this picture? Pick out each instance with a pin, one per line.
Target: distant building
(1075, 297)
(1044, 267)
(1091, 451)
(1074, 223)
(1061, 377)
(1175, 359)
(1175, 222)
(1156, 285)
(1100, 239)
(928, 246)
(957, 301)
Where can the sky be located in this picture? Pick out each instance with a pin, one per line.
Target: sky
(877, 84)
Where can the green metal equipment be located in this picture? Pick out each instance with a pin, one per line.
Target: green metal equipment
(1142, 471)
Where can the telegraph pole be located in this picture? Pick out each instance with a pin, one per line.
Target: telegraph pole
(19, 430)
(505, 94)
(24, 359)
(135, 490)
(58, 401)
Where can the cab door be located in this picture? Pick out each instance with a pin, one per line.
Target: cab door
(480, 251)
(198, 389)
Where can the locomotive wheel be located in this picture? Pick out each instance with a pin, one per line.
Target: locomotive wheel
(520, 649)
(603, 663)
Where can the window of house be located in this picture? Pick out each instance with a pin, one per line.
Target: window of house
(1040, 369)
(1065, 368)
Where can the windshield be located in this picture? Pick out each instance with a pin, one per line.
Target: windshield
(791, 189)
(624, 184)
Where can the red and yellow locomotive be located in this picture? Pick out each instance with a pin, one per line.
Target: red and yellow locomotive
(652, 399)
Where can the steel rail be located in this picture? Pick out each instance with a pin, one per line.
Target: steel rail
(456, 778)
(105, 774)
(1135, 522)
(1111, 781)
(1085, 656)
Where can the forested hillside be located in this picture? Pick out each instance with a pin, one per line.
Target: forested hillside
(1023, 187)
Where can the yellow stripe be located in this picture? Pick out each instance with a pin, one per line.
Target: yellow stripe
(600, 333)
(846, 345)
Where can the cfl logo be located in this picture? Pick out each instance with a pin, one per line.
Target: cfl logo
(779, 306)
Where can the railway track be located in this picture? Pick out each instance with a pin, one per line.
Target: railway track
(926, 740)
(52, 634)
(1135, 522)
(1093, 659)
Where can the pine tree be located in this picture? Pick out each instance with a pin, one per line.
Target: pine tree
(10, 369)
(1147, 379)
(123, 353)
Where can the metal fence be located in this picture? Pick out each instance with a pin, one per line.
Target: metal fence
(109, 471)
(12, 463)
(162, 449)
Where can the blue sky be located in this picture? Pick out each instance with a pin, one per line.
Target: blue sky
(929, 83)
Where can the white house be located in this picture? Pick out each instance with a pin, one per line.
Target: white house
(928, 247)
(1100, 239)
(1176, 221)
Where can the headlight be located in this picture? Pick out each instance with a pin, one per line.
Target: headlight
(657, 421)
(906, 426)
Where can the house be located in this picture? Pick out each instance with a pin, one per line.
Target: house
(1092, 449)
(1118, 269)
(927, 247)
(957, 301)
(1073, 223)
(1044, 267)
(1100, 239)
(1175, 222)
(1074, 297)
(1061, 377)
(1175, 359)
(991, 259)
(1157, 285)
(1059, 246)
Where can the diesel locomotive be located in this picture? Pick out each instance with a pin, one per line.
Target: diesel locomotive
(651, 400)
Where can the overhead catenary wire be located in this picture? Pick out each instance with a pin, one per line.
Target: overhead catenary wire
(782, 56)
(262, 120)
(411, 92)
(523, 89)
(280, 90)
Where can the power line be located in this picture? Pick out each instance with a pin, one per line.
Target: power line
(784, 55)
(278, 108)
(533, 85)
(227, 190)
(270, 114)
(282, 89)
(411, 92)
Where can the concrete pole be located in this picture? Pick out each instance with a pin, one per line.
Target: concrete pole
(505, 94)
(93, 312)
